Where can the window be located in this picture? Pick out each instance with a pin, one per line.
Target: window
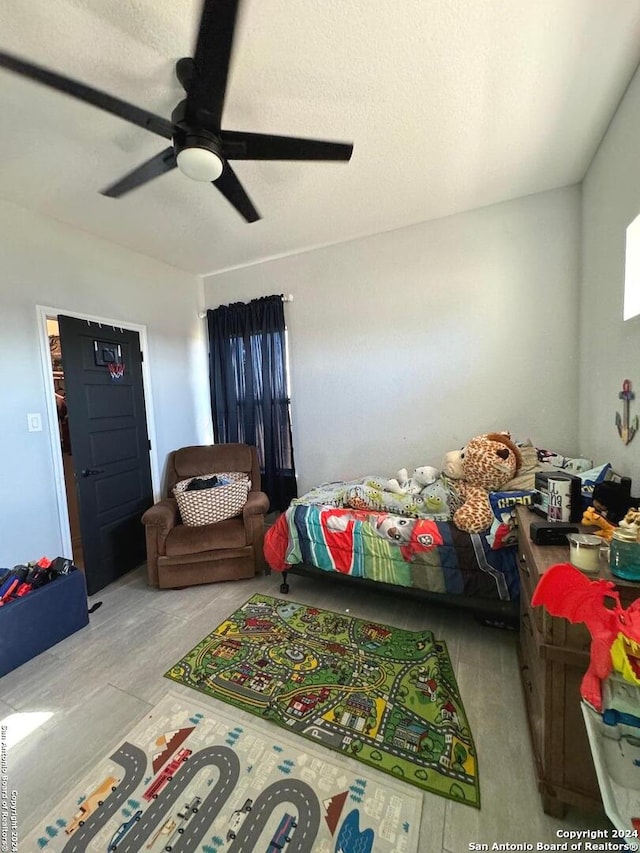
(632, 271)
(250, 390)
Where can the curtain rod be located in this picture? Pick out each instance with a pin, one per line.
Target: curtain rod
(286, 297)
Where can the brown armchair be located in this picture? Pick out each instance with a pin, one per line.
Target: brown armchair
(179, 555)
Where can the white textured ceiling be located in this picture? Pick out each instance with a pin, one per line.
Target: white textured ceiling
(450, 104)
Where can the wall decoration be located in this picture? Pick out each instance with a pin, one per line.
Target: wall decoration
(627, 428)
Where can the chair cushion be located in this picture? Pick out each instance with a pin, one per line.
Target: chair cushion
(207, 537)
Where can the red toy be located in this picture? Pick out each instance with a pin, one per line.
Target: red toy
(565, 591)
(23, 579)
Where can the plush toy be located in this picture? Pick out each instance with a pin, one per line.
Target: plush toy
(615, 632)
(453, 466)
(632, 521)
(425, 475)
(484, 465)
(591, 517)
(403, 484)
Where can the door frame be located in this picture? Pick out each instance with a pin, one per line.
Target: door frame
(43, 312)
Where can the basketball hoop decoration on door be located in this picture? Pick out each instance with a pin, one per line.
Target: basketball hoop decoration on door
(116, 370)
(110, 356)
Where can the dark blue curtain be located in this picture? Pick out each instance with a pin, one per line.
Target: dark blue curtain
(249, 398)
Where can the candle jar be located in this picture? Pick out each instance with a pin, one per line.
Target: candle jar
(584, 549)
(625, 555)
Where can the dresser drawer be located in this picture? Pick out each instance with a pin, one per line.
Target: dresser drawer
(553, 656)
(573, 636)
(578, 771)
(529, 639)
(551, 630)
(531, 684)
(529, 581)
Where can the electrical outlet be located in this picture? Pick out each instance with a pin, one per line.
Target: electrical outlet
(34, 422)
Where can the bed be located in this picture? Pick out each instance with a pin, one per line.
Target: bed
(356, 532)
(360, 533)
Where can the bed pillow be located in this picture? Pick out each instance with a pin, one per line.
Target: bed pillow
(536, 459)
(525, 477)
(327, 494)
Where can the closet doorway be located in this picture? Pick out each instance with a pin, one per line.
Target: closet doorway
(62, 413)
(102, 440)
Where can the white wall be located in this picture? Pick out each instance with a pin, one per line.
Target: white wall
(406, 344)
(610, 347)
(403, 345)
(45, 262)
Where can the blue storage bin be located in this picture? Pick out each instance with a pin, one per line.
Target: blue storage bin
(43, 617)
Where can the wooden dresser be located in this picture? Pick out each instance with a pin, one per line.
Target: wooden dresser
(553, 656)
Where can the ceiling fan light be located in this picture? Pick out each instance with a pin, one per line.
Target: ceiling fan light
(200, 164)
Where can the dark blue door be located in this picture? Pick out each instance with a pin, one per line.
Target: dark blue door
(109, 445)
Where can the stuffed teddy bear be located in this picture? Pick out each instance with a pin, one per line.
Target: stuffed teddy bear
(403, 484)
(484, 465)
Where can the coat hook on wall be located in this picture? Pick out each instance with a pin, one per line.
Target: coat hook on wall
(627, 428)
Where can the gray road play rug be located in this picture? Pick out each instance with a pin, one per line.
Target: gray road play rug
(191, 776)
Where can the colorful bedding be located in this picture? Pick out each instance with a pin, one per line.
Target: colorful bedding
(420, 553)
(360, 528)
(369, 493)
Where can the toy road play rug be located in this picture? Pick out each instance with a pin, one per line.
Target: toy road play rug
(189, 777)
(385, 696)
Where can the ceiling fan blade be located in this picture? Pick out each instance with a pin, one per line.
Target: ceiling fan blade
(153, 168)
(259, 146)
(205, 98)
(112, 105)
(234, 192)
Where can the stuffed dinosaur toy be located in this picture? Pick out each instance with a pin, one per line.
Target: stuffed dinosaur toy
(403, 484)
(615, 632)
(486, 464)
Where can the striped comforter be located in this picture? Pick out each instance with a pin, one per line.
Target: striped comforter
(421, 553)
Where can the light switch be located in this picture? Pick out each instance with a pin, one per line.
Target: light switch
(34, 422)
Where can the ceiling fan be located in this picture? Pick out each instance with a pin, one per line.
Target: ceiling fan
(200, 148)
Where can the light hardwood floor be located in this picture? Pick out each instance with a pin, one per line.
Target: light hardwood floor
(99, 682)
